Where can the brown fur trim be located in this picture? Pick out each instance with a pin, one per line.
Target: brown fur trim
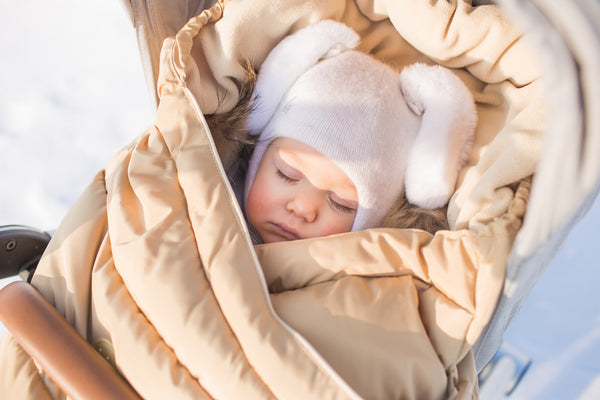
(229, 129)
(405, 215)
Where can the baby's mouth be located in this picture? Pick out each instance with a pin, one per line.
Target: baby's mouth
(285, 231)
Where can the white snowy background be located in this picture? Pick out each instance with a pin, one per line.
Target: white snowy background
(72, 93)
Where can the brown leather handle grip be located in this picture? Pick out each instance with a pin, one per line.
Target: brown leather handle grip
(62, 353)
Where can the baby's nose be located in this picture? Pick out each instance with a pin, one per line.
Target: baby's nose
(304, 207)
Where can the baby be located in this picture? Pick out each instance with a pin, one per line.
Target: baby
(342, 137)
(299, 193)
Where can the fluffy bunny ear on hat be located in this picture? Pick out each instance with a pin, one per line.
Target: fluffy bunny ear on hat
(289, 59)
(442, 145)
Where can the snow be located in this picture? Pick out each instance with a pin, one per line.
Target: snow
(73, 94)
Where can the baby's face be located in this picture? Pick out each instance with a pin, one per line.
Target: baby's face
(298, 193)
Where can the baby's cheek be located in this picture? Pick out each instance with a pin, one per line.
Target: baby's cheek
(254, 204)
(337, 224)
(259, 201)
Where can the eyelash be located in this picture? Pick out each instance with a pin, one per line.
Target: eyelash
(340, 207)
(335, 205)
(285, 178)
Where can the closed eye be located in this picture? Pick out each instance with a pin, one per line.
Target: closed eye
(341, 207)
(284, 177)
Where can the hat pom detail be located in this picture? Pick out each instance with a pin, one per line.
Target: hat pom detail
(293, 56)
(443, 143)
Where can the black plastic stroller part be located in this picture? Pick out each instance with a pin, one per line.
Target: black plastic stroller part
(21, 248)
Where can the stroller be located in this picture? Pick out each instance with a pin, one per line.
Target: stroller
(142, 305)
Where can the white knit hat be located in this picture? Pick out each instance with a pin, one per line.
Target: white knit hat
(384, 129)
